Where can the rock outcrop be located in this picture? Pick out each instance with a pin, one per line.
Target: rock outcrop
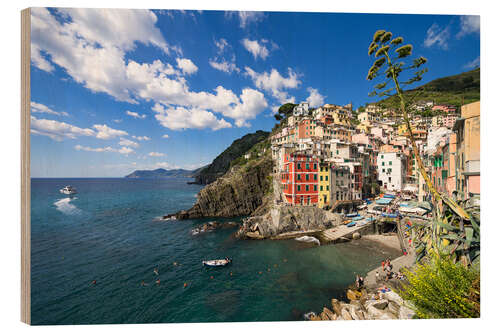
(370, 305)
(280, 220)
(238, 193)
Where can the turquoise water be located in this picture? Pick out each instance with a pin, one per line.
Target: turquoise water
(108, 233)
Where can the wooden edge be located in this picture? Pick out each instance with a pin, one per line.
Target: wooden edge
(25, 167)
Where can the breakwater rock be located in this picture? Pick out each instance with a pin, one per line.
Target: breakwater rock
(283, 220)
(239, 192)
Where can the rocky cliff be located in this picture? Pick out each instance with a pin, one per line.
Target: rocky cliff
(238, 193)
(279, 220)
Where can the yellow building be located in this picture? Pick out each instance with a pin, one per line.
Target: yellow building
(324, 186)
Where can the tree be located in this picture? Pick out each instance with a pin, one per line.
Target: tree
(286, 109)
(389, 65)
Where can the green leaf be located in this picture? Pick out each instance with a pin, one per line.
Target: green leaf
(447, 226)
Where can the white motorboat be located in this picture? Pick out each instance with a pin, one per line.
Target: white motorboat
(217, 262)
(69, 190)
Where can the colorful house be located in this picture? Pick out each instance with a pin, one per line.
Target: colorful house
(324, 185)
(299, 179)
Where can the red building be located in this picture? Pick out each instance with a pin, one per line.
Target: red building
(299, 179)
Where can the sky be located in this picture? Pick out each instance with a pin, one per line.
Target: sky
(113, 91)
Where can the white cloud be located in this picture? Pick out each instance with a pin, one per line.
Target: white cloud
(474, 63)
(135, 115)
(97, 61)
(256, 49)
(181, 118)
(246, 17)
(469, 24)
(41, 108)
(156, 154)
(437, 36)
(117, 120)
(253, 102)
(221, 44)
(122, 150)
(104, 132)
(187, 66)
(224, 66)
(165, 136)
(315, 99)
(141, 138)
(128, 143)
(91, 47)
(57, 130)
(275, 83)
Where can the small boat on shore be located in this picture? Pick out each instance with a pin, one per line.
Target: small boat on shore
(69, 190)
(352, 215)
(217, 262)
(351, 224)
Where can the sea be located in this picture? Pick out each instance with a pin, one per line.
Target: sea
(104, 257)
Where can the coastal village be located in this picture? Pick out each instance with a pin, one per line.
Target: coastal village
(333, 157)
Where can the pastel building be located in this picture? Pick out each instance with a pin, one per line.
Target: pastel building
(391, 167)
(324, 185)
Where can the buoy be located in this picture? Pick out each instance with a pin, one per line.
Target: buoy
(185, 284)
(231, 273)
(260, 272)
(211, 276)
(175, 263)
(94, 282)
(158, 281)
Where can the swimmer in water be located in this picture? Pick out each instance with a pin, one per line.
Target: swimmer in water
(155, 271)
(94, 282)
(158, 281)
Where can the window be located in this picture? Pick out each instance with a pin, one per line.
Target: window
(298, 188)
(315, 177)
(315, 188)
(381, 156)
(328, 187)
(298, 176)
(299, 166)
(307, 188)
(321, 188)
(389, 170)
(307, 166)
(315, 166)
(390, 179)
(321, 178)
(326, 177)
(390, 162)
(337, 151)
(307, 177)
(383, 163)
(383, 170)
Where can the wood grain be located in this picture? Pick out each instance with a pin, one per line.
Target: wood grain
(25, 167)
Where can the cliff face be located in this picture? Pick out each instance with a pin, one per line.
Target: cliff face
(239, 192)
(221, 164)
(285, 219)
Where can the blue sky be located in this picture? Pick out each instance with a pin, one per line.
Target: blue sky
(113, 91)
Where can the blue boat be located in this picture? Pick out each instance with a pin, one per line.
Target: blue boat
(351, 224)
(383, 201)
(391, 215)
(370, 219)
(392, 196)
(352, 215)
(358, 218)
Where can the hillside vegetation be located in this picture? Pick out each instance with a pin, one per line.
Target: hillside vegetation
(220, 165)
(453, 90)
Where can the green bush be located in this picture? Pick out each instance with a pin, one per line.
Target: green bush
(441, 288)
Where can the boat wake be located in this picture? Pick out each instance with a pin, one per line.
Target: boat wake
(64, 205)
